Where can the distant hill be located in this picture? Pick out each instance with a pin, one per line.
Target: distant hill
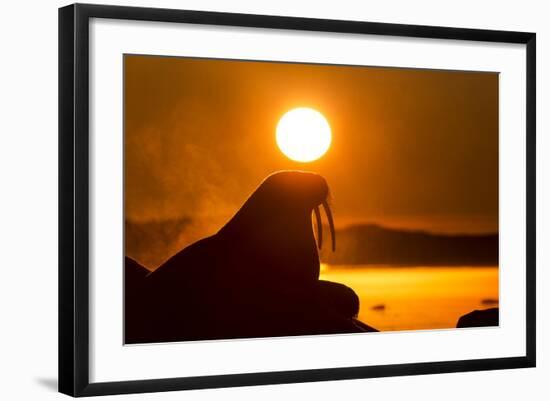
(373, 244)
(150, 243)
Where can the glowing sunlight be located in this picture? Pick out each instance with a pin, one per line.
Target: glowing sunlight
(303, 134)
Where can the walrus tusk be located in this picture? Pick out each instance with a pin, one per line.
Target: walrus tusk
(330, 224)
(319, 227)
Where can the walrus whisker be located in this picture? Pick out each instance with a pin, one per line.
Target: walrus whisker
(319, 227)
(330, 224)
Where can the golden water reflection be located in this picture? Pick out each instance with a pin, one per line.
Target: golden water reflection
(414, 298)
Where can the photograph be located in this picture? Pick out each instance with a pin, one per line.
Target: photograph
(270, 199)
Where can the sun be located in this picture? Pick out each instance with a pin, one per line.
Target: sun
(303, 134)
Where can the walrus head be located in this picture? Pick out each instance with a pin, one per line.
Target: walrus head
(274, 226)
(300, 191)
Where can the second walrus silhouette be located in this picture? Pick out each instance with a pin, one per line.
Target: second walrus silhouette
(257, 276)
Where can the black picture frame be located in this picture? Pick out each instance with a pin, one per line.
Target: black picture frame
(74, 200)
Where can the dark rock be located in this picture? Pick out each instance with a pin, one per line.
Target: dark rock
(479, 318)
(376, 245)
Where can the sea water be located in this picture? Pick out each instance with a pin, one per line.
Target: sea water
(417, 298)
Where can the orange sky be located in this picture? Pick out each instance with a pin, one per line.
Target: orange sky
(411, 148)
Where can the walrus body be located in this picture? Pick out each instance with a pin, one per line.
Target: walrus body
(258, 276)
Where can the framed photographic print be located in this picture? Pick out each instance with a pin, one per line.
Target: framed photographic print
(250, 199)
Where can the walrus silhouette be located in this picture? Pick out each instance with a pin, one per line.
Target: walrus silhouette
(257, 276)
